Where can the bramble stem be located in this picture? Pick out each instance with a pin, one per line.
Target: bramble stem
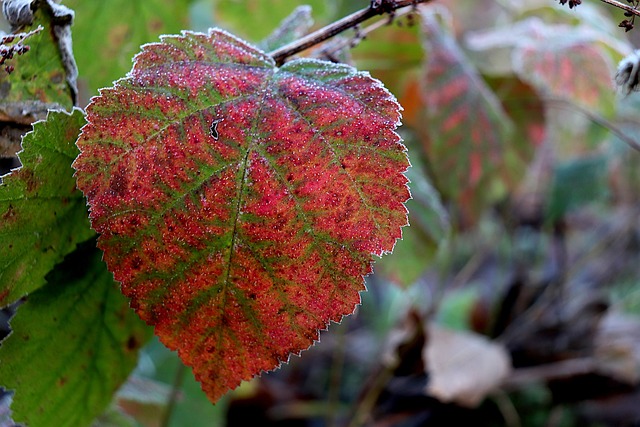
(350, 21)
(623, 6)
(175, 391)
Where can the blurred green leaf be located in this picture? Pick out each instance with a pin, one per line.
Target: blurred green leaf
(113, 417)
(430, 227)
(293, 27)
(346, 7)
(454, 309)
(193, 408)
(391, 53)
(201, 15)
(256, 19)
(107, 34)
(43, 215)
(576, 183)
(69, 380)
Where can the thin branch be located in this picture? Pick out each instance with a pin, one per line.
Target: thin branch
(623, 6)
(175, 393)
(597, 119)
(350, 21)
(523, 377)
(332, 49)
(336, 378)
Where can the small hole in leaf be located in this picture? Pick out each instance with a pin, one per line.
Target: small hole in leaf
(214, 128)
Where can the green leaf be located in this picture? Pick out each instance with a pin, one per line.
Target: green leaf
(194, 406)
(290, 29)
(201, 15)
(390, 53)
(114, 417)
(255, 19)
(39, 79)
(241, 204)
(74, 341)
(577, 183)
(42, 214)
(430, 226)
(455, 309)
(107, 34)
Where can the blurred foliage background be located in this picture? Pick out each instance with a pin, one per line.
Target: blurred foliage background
(514, 297)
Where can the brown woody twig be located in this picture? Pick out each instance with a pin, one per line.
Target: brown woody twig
(377, 8)
(625, 7)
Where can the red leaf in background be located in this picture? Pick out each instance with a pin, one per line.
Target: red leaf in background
(562, 63)
(239, 204)
(467, 127)
(559, 61)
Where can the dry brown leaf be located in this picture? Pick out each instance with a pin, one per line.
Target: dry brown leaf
(463, 367)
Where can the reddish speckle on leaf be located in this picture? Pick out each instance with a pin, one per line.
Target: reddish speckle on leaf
(240, 239)
(462, 113)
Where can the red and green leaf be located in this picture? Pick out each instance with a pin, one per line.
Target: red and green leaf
(241, 204)
(560, 61)
(467, 127)
(42, 214)
(568, 68)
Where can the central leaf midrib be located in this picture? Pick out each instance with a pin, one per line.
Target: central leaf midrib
(241, 190)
